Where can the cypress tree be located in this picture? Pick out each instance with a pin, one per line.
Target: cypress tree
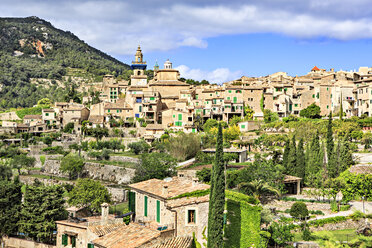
(292, 160)
(330, 142)
(286, 154)
(346, 157)
(300, 168)
(341, 108)
(315, 159)
(217, 197)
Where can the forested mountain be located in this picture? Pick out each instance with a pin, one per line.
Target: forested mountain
(32, 48)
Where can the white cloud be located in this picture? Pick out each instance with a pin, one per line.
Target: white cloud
(117, 26)
(219, 75)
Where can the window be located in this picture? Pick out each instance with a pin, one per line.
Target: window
(243, 126)
(47, 114)
(152, 98)
(158, 211)
(108, 110)
(191, 216)
(73, 241)
(327, 106)
(145, 211)
(313, 96)
(140, 109)
(64, 239)
(90, 245)
(229, 91)
(228, 98)
(180, 117)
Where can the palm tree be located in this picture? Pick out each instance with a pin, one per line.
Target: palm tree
(258, 188)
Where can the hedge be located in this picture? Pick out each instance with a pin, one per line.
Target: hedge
(243, 221)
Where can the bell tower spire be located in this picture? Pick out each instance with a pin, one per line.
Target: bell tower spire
(138, 66)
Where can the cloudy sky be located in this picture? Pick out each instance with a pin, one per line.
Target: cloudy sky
(218, 40)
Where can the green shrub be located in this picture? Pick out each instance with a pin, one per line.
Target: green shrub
(322, 222)
(334, 206)
(42, 159)
(54, 150)
(345, 207)
(139, 147)
(299, 210)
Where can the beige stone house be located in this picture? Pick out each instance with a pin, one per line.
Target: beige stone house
(155, 202)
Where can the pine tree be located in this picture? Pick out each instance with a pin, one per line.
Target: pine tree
(286, 154)
(300, 168)
(292, 158)
(217, 197)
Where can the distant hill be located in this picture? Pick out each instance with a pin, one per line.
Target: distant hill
(32, 48)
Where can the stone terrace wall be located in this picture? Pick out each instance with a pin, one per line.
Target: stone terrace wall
(117, 194)
(15, 242)
(348, 224)
(111, 173)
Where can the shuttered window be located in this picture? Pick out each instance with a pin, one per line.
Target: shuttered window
(73, 241)
(146, 199)
(158, 211)
(180, 117)
(64, 239)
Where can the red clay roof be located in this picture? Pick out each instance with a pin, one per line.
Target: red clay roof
(315, 68)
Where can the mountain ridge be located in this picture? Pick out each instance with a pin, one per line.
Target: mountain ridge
(31, 47)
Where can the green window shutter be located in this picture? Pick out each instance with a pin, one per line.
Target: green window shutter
(145, 206)
(158, 211)
(317, 95)
(296, 105)
(64, 239)
(73, 241)
(132, 201)
(228, 98)
(108, 111)
(140, 109)
(235, 99)
(193, 130)
(90, 245)
(313, 96)
(180, 117)
(152, 98)
(229, 91)
(196, 97)
(290, 107)
(243, 126)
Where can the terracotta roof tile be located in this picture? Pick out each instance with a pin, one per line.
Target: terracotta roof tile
(176, 186)
(130, 236)
(176, 242)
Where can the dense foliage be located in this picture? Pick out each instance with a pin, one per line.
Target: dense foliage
(90, 194)
(217, 197)
(244, 220)
(42, 206)
(155, 165)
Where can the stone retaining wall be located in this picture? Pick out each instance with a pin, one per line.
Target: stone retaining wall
(111, 173)
(16, 242)
(348, 224)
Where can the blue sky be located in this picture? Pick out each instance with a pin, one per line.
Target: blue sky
(218, 40)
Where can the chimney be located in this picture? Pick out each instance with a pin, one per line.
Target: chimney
(195, 181)
(165, 189)
(105, 212)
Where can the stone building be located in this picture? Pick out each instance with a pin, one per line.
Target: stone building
(160, 203)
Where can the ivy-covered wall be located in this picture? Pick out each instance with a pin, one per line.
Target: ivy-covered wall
(242, 228)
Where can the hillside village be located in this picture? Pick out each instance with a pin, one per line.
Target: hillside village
(133, 164)
(165, 102)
